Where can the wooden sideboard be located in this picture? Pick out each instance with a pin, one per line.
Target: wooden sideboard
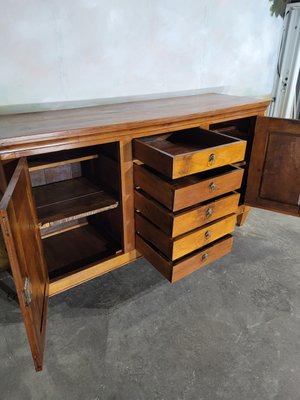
(85, 191)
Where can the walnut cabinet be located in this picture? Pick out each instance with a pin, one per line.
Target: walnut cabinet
(86, 191)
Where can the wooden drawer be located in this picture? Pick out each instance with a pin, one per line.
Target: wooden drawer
(174, 271)
(175, 224)
(188, 152)
(174, 248)
(188, 191)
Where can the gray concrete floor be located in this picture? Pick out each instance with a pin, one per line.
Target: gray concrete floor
(229, 331)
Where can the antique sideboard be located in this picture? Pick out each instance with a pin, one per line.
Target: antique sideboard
(87, 190)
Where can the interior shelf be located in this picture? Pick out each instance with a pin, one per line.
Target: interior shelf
(76, 249)
(60, 159)
(65, 201)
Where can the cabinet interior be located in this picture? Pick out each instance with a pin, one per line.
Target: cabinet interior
(78, 201)
(242, 128)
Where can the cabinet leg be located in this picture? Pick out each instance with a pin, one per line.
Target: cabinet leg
(241, 218)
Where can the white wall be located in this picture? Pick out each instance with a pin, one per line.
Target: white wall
(63, 50)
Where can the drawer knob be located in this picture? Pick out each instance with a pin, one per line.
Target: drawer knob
(208, 212)
(213, 186)
(204, 257)
(211, 159)
(207, 234)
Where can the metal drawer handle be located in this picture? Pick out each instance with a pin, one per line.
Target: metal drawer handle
(207, 235)
(213, 186)
(208, 212)
(211, 159)
(204, 257)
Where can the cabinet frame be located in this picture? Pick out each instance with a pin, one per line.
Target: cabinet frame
(32, 134)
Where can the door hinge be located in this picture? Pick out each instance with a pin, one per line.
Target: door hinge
(27, 291)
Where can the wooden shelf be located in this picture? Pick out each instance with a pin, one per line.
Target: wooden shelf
(77, 249)
(68, 200)
(57, 159)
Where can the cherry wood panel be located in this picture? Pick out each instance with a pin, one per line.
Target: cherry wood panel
(176, 270)
(174, 248)
(188, 191)
(21, 234)
(175, 224)
(187, 152)
(26, 134)
(274, 173)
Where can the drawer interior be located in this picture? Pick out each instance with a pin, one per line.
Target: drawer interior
(78, 206)
(187, 141)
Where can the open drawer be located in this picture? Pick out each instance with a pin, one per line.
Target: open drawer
(176, 270)
(175, 248)
(190, 190)
(178, 223)
(187, 152)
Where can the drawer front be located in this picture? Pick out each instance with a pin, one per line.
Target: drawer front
(177, 224)
(185, 244)
(188, 152)
(204, 160)
(188, 191)
(174, 271)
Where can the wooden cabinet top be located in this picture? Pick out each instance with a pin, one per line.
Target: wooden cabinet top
(20, 134)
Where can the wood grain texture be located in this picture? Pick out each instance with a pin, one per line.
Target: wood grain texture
(274, 173)
(187, 152)
(175, 224)
(177, 270)
(26, 134)
(188, 191)
(174, 248)
(21, 234)
(72, 199)
(127, 188)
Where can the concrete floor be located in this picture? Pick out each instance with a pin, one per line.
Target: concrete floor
(229, 331)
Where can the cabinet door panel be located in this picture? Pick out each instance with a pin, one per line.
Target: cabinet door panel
(21, 234)
(274, 171)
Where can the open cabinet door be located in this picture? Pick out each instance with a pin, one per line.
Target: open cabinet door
(274, 172)
(22, 239)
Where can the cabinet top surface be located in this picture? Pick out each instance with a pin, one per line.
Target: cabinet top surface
(51, 125)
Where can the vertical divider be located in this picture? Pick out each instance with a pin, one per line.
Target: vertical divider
(127, 187)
